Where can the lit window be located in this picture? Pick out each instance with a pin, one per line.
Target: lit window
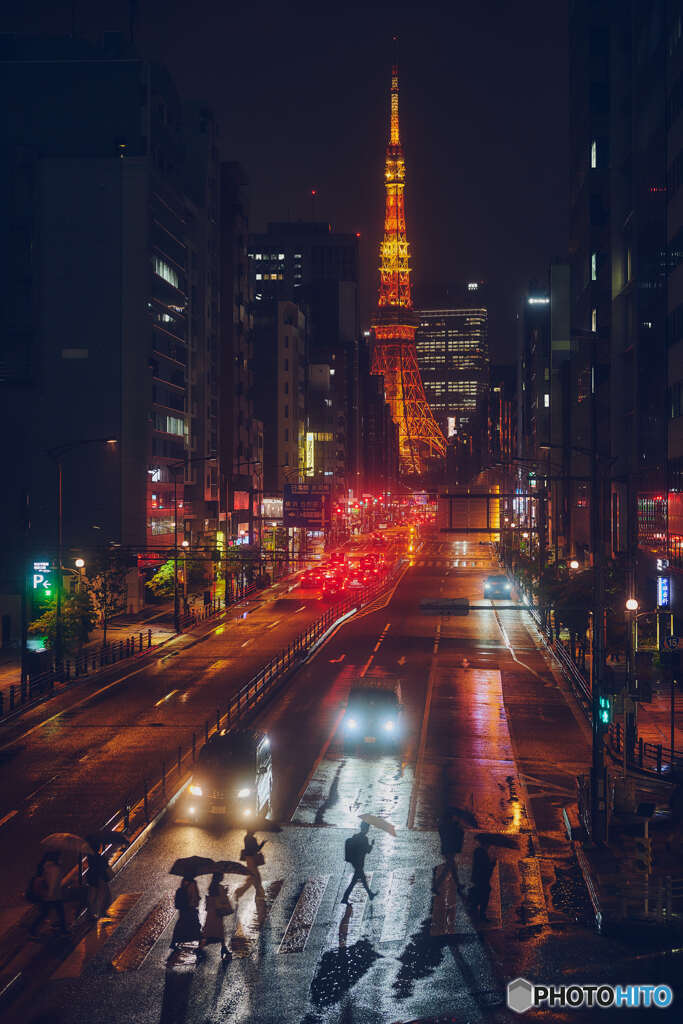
(628, 264)
(594, 154)
(258, 256)
(280, 255)
(332, 373)
(166, 272)
(594, 320)
(594, 266)
(546, 400)
(259, 277)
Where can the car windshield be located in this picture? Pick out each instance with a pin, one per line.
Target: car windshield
(373, 698)
(496, 579)
(234, 753)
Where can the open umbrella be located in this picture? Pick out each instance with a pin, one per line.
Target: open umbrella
(108, 837)
(190, 867)
(65, 842)
(381, 823)
(232, 867)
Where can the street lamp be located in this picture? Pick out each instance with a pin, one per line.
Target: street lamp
(573, 564)
(57, 453)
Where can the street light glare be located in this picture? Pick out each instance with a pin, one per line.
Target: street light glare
(80, 563)
(573, 564)
(632, 604)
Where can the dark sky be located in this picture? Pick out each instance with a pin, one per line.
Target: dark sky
(301, 94)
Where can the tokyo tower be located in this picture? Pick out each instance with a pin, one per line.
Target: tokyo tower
(394, 354)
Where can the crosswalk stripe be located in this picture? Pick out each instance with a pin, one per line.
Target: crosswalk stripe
(347, 919)
(397, 906)
(304, 914)
(444, 906)
(96, 937)
(250, 922)
(133, 955)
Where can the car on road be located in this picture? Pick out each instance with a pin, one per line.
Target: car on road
(497, 586)
(373, 715)
(312, 577)
(233, 780)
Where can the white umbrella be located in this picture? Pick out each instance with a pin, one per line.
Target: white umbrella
(373, 819)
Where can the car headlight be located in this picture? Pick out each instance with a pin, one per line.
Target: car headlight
(507, 586)
(243, 793)
(389, 726)
(196, 791)
(351, 723)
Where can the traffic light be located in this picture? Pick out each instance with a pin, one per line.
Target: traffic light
(605, 710)
(639, 849)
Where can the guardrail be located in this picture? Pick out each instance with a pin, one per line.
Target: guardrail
(654, 758)
(152, 794)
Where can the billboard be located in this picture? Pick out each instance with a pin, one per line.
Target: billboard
(304, 505)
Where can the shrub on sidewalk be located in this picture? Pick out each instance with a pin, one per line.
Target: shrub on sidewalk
(78, 619)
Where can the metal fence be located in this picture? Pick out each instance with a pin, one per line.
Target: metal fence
(153, 792)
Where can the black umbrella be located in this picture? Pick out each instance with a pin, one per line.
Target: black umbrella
(108, 837)
(190, 867)
(232, 867)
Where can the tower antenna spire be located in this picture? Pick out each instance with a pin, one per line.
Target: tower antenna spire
(394, 355)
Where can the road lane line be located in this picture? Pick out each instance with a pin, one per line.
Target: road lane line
(8, 817)
(164, 699)
(247, 642)
(273, 624)
(423, 738)
(323, 750)
(132, 956)
(366, 666)
(303, 607)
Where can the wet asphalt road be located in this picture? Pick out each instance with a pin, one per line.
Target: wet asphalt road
(487, 729)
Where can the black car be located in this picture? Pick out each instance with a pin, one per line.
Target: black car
(373, 716)
(233, 779)
(497, 586)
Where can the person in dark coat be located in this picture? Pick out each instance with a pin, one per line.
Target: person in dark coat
(482, 869)
(98, 878)
(251, 853)
(49, 895)
(359, 849)
(452, 836)
(187, 927)
(218, 907)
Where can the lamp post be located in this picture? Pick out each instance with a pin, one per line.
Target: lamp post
(57, 453)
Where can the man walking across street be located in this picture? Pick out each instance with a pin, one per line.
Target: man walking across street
(251, 853)
(452, 837)
(356, 850)
(50, 874)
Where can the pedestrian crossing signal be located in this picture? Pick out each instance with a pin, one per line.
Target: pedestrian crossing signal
(605, 710)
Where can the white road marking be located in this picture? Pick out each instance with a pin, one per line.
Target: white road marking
(273, 624)
(164, 699)
(247, 642)
(303, 606)
(8, 817)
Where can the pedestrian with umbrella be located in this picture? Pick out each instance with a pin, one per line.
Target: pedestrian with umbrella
(47, 885)
(218, 907)
(187, 927)
(356, 848)
(97, 879)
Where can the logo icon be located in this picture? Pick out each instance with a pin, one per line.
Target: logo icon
(520, 995)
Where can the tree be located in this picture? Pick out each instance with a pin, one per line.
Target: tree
(78, 619)
(107, 585)
(162, 583)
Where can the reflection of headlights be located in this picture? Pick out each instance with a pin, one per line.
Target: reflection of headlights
(196, 790)
(389, 726)
(351, 723)
(242, 793)
(507, 586)
(246, 812)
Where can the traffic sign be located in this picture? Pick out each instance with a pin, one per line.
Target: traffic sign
(672, 642)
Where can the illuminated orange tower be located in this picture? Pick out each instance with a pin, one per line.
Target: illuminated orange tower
(394, 355)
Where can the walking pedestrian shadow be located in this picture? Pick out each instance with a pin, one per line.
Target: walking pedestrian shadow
(339, 970)
(419, 959)
(176, 994)
(332, 797)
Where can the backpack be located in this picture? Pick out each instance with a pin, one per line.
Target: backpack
(180, 899)
(351, 850)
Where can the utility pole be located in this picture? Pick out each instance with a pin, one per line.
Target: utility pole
(598, 778)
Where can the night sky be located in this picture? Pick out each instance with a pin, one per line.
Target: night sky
(301, 94)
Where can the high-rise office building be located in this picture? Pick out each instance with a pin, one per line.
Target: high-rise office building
(309, 264)
(452, 353)
(106, 253)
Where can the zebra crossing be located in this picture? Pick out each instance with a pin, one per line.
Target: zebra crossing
(294, 915)
(452, 563)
